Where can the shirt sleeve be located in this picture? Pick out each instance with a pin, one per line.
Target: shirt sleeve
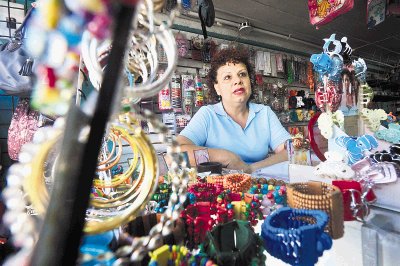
(278, 133)
(196, 130)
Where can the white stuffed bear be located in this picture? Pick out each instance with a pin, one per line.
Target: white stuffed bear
(334, 167)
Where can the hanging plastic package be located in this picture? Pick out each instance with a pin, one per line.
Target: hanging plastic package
(206, 14)
(323, 11)
(16, 77)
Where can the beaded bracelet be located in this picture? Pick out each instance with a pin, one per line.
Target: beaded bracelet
(198, 221)
(319, 196)
(216, 179)
(234, 243)
(205, 192)
(237, 182)
(178, 255)
(296, 236)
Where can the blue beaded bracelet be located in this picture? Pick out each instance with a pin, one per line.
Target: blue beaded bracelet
(296, 236)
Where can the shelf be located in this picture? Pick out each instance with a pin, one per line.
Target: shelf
(297, 86)
(385, 98)
(300, 123)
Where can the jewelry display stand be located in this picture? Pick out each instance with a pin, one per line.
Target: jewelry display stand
(60, 237)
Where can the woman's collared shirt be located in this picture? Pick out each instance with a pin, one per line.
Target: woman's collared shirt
(212, 127)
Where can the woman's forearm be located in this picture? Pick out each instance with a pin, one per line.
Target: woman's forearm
(271, 160)
(227, 158)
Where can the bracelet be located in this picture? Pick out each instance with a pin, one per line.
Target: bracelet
(142, 225)
(296, 236)
(216, 179)
(319, 196)
(205, 192)
(178, 255)
(237, 182)
(234, 243)
(198, 221)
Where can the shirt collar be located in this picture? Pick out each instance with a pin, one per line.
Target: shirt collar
(253, 108)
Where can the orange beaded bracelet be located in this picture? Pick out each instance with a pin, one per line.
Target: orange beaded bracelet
(237, 182)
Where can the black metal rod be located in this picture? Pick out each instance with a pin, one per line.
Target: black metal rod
(62, 231)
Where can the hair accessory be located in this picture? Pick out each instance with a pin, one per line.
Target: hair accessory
(373, 117)
(310, 77)
(182, 44)
(319, 196)
(337, 66)
(322, 63)
(356, 146)
(234, 243)
(360, 68)
(334, 167)
(328, 96)
(366, 94)
(332, 42)
(327, 120)
(384, 156)
(391, 134)
(296, 236)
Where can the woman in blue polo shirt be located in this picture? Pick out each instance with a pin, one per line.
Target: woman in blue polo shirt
(236, 133)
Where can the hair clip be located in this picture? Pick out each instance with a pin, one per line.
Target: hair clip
(366, 94)
(390, 134)
(322, 63)
(334, 167)
(360, 68)
(356, 146)
(327, 120)
(337, 46)
(373, 117)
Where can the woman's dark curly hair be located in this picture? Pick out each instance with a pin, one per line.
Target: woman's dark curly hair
(221, 58)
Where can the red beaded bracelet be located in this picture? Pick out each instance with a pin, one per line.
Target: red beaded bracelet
(205, 191)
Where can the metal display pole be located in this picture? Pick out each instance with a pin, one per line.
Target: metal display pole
(62, 230)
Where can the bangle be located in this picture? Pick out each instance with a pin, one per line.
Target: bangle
(319, 196)
(234, 243)
(237, 182)
(296, 236)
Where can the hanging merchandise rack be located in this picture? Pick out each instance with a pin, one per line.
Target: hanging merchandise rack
(75, 165)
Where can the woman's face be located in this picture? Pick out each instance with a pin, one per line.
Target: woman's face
(233, 83)
(346, 82)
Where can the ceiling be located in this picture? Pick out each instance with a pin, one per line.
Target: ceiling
(380, 45)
